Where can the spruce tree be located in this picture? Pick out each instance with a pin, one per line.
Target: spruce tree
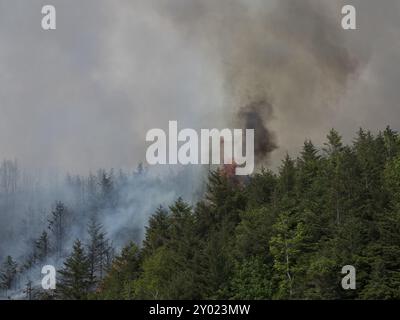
(98, 250)
(28, 290)
(42, 247)
(75, 280)
(8, 273)
(58, 226)
(157, 231)
(119, 281)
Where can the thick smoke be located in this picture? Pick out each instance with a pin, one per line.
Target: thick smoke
(113, 70)
(253, 117)
(83, 97)
(282, 58)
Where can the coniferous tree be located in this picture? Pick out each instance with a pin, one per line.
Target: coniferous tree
(28, 290)
(279, 235)
(107, 196)
(58, 226)
(284, 235)
(125, 269)
(98, 250)
(8, 273)
(74, 281)
(157, 231)
(42, 247)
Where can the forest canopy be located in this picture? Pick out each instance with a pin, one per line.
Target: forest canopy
(283, 234)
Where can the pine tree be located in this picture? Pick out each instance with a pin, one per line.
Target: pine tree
(125, 269)
(28, 290)
(8, 273)
(308, 167)
(157, 232)
(382, 256)
(333, 171)
(107, 190)
(42, 247)
(281, 236)
(98, 249)
(58, 225)
(287, 176)
(75, 282)
(392, 143)
(334, 144)
(262, 189)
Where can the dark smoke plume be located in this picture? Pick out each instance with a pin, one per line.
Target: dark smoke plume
(252, 117)
(289, 58)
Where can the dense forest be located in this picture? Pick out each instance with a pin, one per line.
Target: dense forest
(283, 234)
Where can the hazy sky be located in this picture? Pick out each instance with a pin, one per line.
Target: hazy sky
(83, 96)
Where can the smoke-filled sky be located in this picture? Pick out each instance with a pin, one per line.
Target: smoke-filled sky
(83, 96)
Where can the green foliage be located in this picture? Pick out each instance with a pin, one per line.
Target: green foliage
(157, 278)
(287, 248)
(125, 269)
(42, 246)
(99, 251)
(283, 235)
(157, 233)
(251, 280)
(75, 280)
(8, 273)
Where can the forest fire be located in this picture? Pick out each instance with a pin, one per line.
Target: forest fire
(228, 166)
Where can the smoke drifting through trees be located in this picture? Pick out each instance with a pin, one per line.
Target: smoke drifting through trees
(104, 211)
(284, 67)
